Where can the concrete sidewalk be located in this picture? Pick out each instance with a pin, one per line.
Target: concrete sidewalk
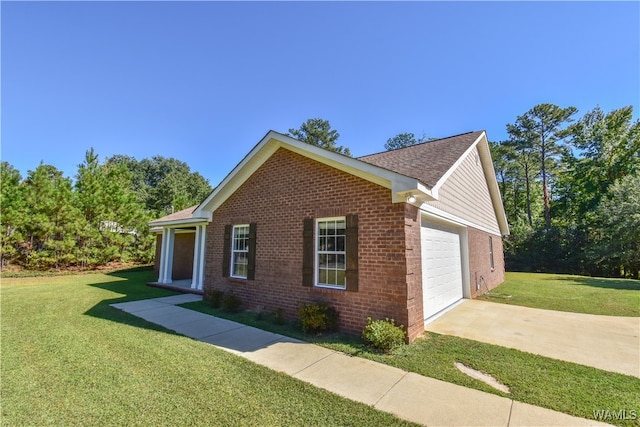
(407, 395)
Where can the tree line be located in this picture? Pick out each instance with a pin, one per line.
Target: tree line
(570, 187)
(571, 190)
(49, 221)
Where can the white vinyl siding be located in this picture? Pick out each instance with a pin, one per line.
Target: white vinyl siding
(465, 194)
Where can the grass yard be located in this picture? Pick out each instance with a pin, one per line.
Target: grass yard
(70, 359)
(563, 292)
(562, 386)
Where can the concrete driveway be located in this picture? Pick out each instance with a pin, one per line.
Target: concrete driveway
(604, 342)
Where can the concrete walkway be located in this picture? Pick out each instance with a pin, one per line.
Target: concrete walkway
(407, 395)
(604, 342)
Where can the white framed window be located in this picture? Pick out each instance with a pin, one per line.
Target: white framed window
(240, 251)
(331, 253)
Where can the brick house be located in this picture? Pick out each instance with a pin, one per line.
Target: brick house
(403, 234)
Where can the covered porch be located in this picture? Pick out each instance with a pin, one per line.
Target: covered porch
(180, 251)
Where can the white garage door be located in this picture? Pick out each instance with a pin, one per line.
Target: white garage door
(441, 268)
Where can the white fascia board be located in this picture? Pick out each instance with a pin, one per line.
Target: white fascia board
(344, 163)
(455, 166)
(482, 144)
(492, 183)
(272, 141)
(453, 219)
(249, 164)
(411, 187)
(176, 223)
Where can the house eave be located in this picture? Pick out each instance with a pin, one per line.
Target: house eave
(177, 223)
(400, 185)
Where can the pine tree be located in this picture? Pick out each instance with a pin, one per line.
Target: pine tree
(53, 219)
(12, 214)
(318, 132)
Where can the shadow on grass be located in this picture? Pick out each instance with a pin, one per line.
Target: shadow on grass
(621, 284)
(131, 285)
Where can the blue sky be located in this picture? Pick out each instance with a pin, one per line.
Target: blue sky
(204, 81)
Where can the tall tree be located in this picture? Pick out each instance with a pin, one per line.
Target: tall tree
(113, 212)
(53, 219)
(401, 140)
(544, 128)
(406, 139)
(610, 148)
(519, 153)
(617, 229)
(12, 213)
(90, 188)
(165, 184)
(318, 132)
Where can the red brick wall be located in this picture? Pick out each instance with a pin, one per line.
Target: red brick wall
(277, 197)
(182, 255)
(415, 314)
(480, 263)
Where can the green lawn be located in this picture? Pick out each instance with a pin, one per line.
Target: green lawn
(563, 292)
(562, 386)
(70, 359)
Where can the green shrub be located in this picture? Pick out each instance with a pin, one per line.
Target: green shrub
(231, 303)
(214, 297)
(278, 316)
(318, 317)
(384, 335)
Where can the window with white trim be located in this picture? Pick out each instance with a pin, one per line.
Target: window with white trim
(331, 255)
(240, 251)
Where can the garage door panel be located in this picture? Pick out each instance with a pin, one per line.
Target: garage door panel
(441, 268)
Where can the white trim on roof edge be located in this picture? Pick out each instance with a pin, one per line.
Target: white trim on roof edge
(191, 222)
(453, 219)
(400, 185)
(490, 176)
(453, 168)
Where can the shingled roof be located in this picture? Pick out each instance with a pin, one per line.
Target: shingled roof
(426, 162)
(176, 216)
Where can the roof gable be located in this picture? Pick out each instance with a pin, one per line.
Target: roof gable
(272, 141)
(433, 162)
(419, 170)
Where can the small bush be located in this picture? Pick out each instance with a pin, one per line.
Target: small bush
(214, 297)
(259, 314)
(318, 317)
(278, 316)
(231, 303)
(384, 335)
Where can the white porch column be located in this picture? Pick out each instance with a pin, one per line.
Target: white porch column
(197, 279)
(166, 256)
